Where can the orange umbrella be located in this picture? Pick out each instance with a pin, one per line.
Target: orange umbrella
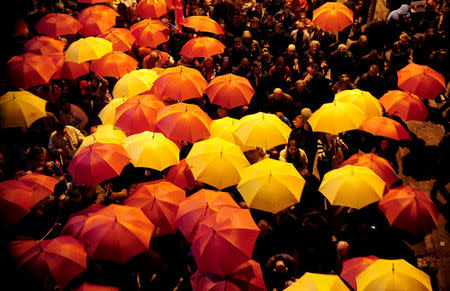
(63, 258)
(57, 24)
(230, 91)
(44, 45)
(333, 16)
(15, 202)
(203, 23)
(405, 105)
(42, 185)
(97, 21)
(180, 83)
(202, 46)
(138, 114)
(159, 201)
(152, 8)
(94, 1)
(383, 126)
(68, 70)
(106, 11)
(29, 70)
(94, 287)
(76, 220)
(224, 240)
(420, 80)
(183, 122)
(353, 267)
(115, 64)
(150, 32)
(199, 206)
(181, 175)
(247, 276)
(379, 165)
(121, 38)
(410, 209)
(116, 233)
(97, 163)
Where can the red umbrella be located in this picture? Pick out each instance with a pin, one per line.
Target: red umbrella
(353, 267)
(116, 233)
(107, 12)
(409, 209)
(224, 240)
(203, 46)
(121, 38)
(76, 220)
(138, 114)
(97, 163)
(29, 70)
(180, 83)
(96, 22)
(383, 126)
(94, 1)
(62, 257)
(230, 91)
(421, 80)
(379, 165)
(199, 206)
(159, 201)
(183, 122)
(115, 64)
(68, 70)
(44, 45)
(181, 175)
(152, 8)
(42, 185)
(15, 202)
(203, 23)
(94, 287)
(405, 105)
(150, 32)
(57, 24)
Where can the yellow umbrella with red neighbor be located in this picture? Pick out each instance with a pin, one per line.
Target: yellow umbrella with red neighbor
(20, 108)
(134, 83)
(108, 114)
(87, 49)
(104, 134)
(318, 282)
(361, 99)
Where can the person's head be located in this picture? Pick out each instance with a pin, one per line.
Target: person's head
(279, 28)
(209, 62)
(314, 46)
(291, 49)
(287, 8)
(265, 54)
(313, 69)
(59, 127)
(342, 49)
(254, 22)
(246, 36)
(237, 43)
(342, 249)
(305, 113)
(280, 266)
(344, 79)
(222, 111)
(264, 227)
(363, 39)
(374, 70)
(300, 26)
(259, 7)
(300, 85)
(257, 67)
(404, 38)
(236, 20)
(279, 63)
(384, 145)
(292, 147)
(154, 56)
(245, 64)
(277, 92)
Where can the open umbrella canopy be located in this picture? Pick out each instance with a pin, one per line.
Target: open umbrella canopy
(114, 64)
(134, 83)
(199, 206)
(181, 175)
(29, 70)
(94, 287)
(152, 150)
(20, 108)
(116, 233)
(353, 267)
(57, 24)
(94, 1)
(202, 46)
(106, 11)
(180, 83)
(393, 275)
(352, 186)
(410, 209)
(361, 99)
(138, 114)
(96, 22)
(421, 80)
(152, 8)
(159, 201)
(183, 122)
(261, 130)
(217, 162)
(223, 128)
(15, 202)
(379, 165)
(336, 117)
(98, 162)
(150, 32)
(87, 49)
(68, 70)
(405, 105)
(318, 282)
(386, 127)
(44, 45)
(42, 185)
(121, 38)
(203, 23)
(108, 114)
(104, 134)
(230, 231)
(333, 16)
(76, 221)
(271, 185)
(230, 91)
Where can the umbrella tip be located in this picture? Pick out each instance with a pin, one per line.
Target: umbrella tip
(214, 231)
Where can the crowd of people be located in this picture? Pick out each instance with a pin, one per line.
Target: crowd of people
(294, 67)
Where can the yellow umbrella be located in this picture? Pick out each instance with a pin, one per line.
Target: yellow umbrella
(20, 108)
(318, 282)
(223, 128)
(336, 117)
(363, 100)
(271, 185)
(151, 150)
(216, 162)
(134, 83)
(104, 134)
(87, 49)
(108, 114)
(261, 130)
(352, 186)
(393, 275)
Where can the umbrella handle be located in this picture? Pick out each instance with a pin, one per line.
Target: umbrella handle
(62, 173)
